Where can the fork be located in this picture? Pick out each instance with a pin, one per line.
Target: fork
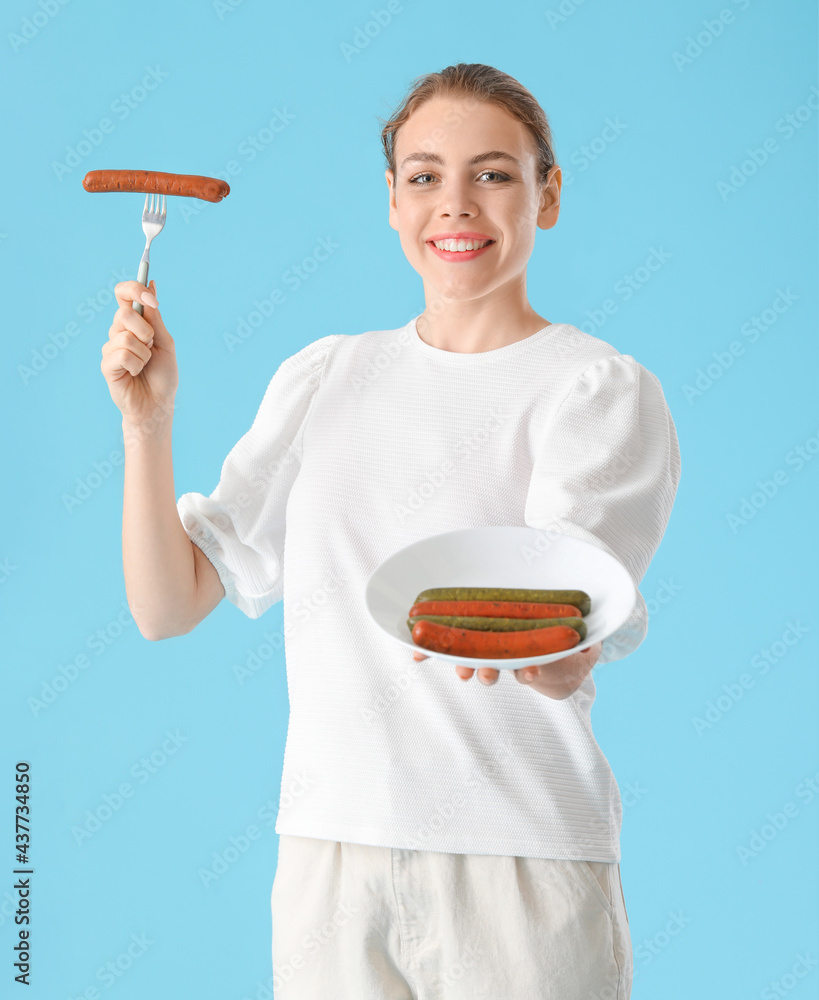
(153, 219)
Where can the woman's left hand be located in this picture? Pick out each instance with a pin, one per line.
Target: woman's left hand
(557, 680)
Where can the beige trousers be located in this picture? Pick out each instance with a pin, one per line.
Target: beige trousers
(356, 922)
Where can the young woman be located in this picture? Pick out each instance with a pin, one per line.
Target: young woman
(436, 839)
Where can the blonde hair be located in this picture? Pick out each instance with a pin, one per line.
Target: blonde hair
(481, 82)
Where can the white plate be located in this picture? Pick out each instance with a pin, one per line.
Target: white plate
(501, 556)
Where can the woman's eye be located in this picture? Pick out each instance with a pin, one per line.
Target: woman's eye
(417, 177)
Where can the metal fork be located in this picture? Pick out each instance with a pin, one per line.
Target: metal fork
(153, 219)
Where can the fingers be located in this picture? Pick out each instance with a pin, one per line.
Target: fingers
(487, 675)
(128, 292)
(127, 341)
(127, 318)
(149, 297)
(126, 351)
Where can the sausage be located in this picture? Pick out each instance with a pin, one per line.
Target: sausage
(501, 624)
(578, 598)
(493, 645)
(496, 609)
(152, 182)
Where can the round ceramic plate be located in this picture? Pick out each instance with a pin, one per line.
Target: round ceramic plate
(501, 556)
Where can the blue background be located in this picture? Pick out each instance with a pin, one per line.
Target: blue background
(719, 595)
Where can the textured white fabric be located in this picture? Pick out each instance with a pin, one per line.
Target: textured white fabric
(365, 444)
(357, 922)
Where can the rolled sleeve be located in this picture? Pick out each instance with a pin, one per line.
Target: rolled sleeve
(607, 471)
(240, 527)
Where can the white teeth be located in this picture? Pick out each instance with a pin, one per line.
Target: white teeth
(460, 245)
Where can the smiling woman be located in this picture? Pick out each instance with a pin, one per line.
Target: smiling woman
(473, 201)
(448, 812)
(472, 176)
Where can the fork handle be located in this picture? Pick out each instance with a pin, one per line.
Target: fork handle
(142, 278)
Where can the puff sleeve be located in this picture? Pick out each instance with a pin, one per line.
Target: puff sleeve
(240, 527)
(606, 471)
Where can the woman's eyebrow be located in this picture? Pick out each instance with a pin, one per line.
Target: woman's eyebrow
(493, 154)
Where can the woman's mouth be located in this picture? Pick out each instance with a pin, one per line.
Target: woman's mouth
(459, 249)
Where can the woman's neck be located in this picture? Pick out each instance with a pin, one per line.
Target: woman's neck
(471, 328)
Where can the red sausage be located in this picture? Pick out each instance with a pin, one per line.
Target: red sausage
(152, 182)
(493, 645)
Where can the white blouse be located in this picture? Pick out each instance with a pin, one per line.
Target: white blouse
(365, 444)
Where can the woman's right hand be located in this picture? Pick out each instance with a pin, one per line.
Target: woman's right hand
(139, 358)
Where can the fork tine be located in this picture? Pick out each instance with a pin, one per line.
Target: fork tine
(155, 210)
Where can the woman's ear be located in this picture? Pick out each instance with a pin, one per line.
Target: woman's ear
(393, 205)
(549, 206)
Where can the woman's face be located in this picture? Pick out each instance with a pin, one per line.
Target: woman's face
(437, 191)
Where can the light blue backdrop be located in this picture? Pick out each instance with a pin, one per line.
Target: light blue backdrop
(684, 132)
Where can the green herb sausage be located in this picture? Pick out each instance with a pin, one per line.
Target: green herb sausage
(578, 598)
